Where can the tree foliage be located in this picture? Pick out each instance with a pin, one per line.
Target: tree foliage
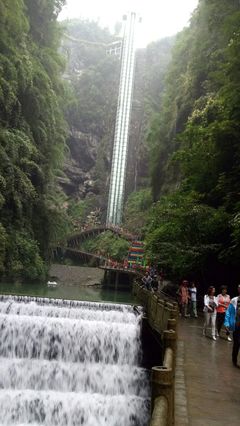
(136, 211)
(108, 245)
(183, 233)
(195, 144)
(32, 131)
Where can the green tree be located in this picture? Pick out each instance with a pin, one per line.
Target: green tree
(108, 244)
(136, 210)
(183, 233)
(194, 142)
(32, 131)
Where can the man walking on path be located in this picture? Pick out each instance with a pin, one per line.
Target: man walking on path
(232, 322)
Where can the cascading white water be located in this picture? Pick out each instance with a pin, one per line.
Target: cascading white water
(70, 363)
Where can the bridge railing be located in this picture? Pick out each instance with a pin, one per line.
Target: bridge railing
(79, 236)
(62, 251)
(162, 317)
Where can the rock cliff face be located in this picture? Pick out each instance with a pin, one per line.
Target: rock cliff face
(79, 167)
(94, 77)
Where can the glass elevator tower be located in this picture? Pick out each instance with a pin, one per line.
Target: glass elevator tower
(120, 147)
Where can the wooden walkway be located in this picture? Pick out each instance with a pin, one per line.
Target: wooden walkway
(77, 238)
(207, 384)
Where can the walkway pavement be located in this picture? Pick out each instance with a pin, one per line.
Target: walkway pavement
(207, 385)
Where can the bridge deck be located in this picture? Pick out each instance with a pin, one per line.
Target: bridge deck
(122, 270)
(207, 385)
(90, 232)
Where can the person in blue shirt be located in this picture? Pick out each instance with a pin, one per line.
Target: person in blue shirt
(232, 322)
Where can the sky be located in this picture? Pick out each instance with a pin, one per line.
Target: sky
(160, 18)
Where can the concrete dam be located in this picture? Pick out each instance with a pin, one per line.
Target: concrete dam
(71, 363)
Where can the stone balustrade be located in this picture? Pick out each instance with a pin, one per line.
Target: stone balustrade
(158, 310)
(162, 317)
(160, 412)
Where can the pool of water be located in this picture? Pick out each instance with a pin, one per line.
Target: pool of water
(72, 292)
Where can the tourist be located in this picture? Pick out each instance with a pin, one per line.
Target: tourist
(183, 298)
(232, 322)
(154, 283)
(152, 271)
(193, 300)
(210, 305)
(223, 303)
(147, 281)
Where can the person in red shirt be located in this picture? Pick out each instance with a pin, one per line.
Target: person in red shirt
(183, 295)
(223, 303)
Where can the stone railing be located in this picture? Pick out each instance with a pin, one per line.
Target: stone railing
(162, 317)
(158, 310)
(163, 383)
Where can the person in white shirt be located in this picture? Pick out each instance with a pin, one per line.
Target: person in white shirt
(210, 312)
(193, 300)
(147, 281)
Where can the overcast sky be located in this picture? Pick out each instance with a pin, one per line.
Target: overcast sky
(160, 18)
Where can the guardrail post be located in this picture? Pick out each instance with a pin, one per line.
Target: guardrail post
(172, 324)
(160, 412)
(162, 386)
(170, 341)
(174, 311)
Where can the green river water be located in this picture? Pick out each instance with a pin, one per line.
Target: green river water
(72, 292)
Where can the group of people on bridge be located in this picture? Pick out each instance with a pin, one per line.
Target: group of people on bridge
(152, 279)
(124, 265)
(218, 311)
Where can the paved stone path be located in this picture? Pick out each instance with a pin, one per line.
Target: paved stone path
(207, 385)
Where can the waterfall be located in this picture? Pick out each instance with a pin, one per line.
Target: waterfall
(70, 363)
